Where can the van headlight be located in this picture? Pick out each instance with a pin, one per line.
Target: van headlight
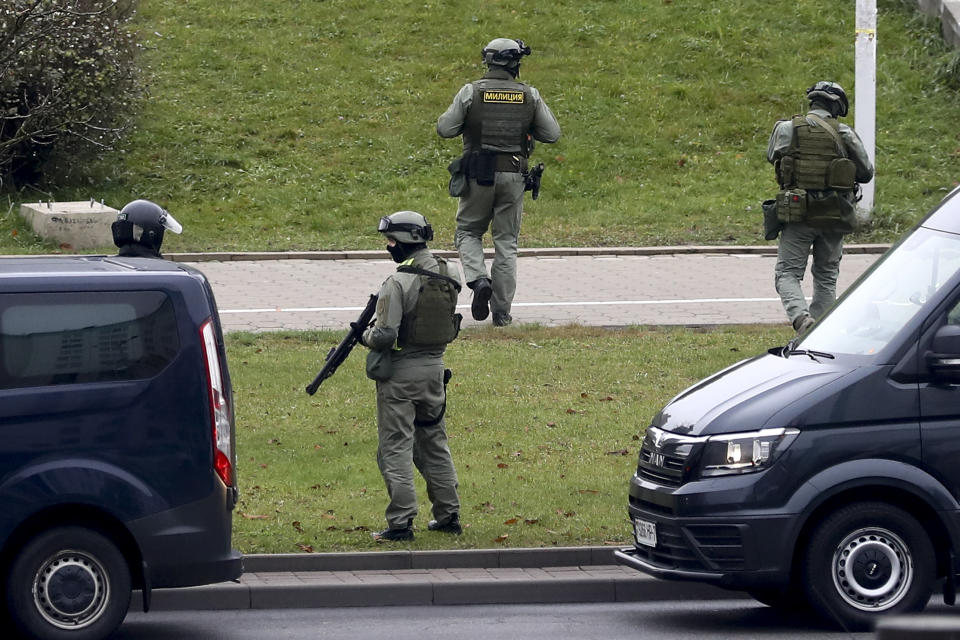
(735, 453)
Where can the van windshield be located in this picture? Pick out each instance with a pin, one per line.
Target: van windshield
(871, 314)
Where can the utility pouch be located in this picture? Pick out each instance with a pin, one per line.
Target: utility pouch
(841, 174)
(483, 167)
(786, 171)
(830, 210)
(771, 223)
(380, 365)
(459, 184)
(792, 205)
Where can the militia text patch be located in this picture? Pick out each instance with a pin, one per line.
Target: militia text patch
(503, 97)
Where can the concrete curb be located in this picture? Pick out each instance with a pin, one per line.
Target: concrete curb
(421, 578)
(552, 252)
(444, 559)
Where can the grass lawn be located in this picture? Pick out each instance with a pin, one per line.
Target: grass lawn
(544, 426)
(295, 124)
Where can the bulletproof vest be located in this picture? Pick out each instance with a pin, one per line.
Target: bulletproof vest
(812, 152)
(433, 321)
(499, 117)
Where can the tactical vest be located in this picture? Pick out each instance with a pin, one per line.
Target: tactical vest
(816, 159)
(499, 117)
(433, 321)
(816, 178)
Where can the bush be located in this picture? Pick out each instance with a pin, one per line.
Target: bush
(68, 84)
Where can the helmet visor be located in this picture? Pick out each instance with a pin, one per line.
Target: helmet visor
(170, 223)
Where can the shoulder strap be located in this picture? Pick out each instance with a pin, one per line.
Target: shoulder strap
(831, 130)
(405, 268)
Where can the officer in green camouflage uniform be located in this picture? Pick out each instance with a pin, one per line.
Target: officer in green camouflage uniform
(819, 165)
(499, 118)
(408, 340)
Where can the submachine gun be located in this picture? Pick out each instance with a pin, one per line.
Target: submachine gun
(339, 353)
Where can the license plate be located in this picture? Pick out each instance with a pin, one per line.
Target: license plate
(645, 532)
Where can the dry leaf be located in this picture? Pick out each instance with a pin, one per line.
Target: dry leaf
(502, 465)
(305, 547)
(251, 516)
(502, 538)
(511, 521)
(531, 521)
(296, 525)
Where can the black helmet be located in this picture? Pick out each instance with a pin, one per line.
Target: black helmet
(406, 226)
(504, 52)
(143, 222)
(831, 94)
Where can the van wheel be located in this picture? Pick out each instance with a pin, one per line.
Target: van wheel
(865, 560)
(68, 583)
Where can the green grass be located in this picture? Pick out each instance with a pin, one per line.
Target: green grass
(296, 124)
(544, 427)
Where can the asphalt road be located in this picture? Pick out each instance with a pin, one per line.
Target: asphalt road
(690, 620)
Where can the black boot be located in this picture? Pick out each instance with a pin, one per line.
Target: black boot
(394, 535)
(482, 291)
(450, 526)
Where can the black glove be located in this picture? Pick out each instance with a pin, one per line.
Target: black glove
(356, 327)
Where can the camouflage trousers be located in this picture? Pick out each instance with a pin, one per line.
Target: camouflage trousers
(415, 394)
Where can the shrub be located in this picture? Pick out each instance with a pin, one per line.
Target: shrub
(68, 84)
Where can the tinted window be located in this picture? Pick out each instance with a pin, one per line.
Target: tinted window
(68, 338)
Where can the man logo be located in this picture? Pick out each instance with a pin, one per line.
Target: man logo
(657, 459)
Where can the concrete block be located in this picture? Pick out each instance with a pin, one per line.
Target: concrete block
(74, 225)
(950, 22)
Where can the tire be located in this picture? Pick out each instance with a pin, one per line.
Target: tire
(866, 560)
(68, 583)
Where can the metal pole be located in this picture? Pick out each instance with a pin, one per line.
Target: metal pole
(865, 110)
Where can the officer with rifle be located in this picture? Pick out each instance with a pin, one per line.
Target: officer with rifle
(415, 320)
(499, 118)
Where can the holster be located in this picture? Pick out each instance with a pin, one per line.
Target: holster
(459, 183)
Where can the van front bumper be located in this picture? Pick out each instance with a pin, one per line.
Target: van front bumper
(709, 544)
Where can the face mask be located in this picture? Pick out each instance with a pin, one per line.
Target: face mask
(396, 252)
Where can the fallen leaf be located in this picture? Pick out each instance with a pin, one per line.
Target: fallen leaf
(510, 521)
(531, 521)
(502, 538)
(502, 465)
(296, 525)
(328, 516)
(251, 516)
(551, 424)
(618, 452)
(582, 491)
(606, 399)
(305, 547)
(584, 395)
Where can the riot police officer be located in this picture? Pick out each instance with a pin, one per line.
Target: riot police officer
(819, 164)
(498, 117)
(139, 227)
(415, 321)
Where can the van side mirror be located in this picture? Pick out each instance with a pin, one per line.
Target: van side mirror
(944, 357)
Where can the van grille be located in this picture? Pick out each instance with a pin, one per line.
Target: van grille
(664, 456)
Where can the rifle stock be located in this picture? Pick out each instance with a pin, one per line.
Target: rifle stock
(339, 353)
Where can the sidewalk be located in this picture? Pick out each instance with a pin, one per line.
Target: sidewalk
(691, 286)
(415, 578)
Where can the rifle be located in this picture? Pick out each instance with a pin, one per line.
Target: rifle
(339, 353)
(531, 180)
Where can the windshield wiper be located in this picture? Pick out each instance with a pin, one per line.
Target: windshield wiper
(787, 352)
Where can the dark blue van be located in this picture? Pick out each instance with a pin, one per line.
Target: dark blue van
(116, 439)
(825, 473)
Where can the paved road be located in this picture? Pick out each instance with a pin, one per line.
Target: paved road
(708, 286)
(675, 620)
